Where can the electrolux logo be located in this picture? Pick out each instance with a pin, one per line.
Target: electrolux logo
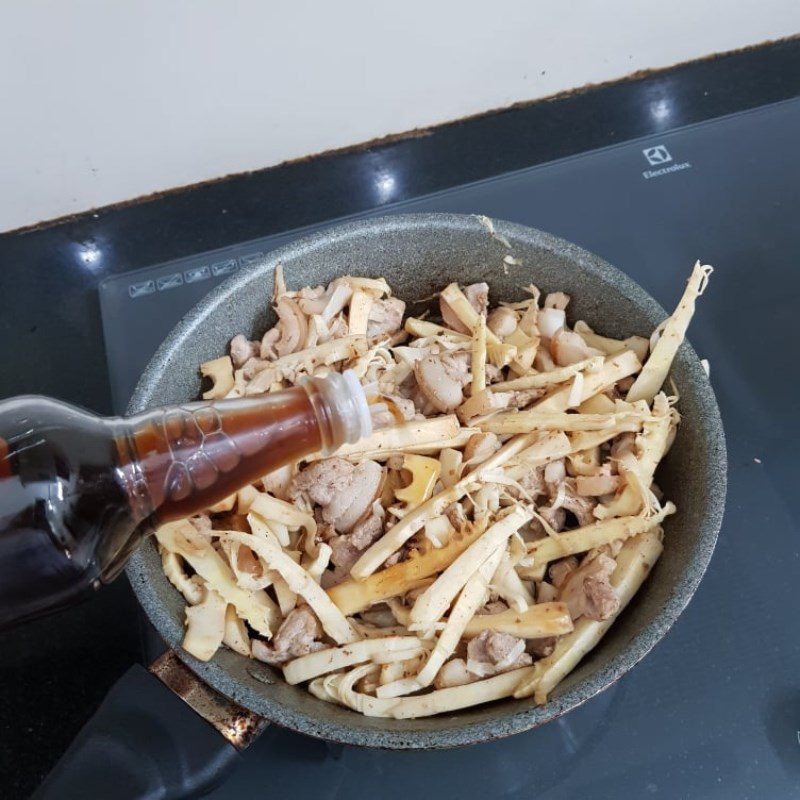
(656, 156)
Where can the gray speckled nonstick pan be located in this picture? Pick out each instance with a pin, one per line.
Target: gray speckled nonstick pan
(419, 254)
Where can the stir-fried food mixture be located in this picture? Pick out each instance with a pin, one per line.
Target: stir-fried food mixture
(485, 536)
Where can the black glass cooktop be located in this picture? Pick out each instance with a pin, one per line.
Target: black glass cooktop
(714, 710)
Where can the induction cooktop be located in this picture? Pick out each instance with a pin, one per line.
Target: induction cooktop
(714, 710)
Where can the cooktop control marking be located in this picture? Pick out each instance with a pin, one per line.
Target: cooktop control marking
(197, 274)
(140, 289)
(224, 267)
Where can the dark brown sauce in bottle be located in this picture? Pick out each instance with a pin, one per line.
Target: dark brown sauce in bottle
(78, 492)
(192, 456)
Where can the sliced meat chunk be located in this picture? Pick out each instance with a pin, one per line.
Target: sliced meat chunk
(478, 296)
(253, 366)
(588, 592)
(290, 332)
(502, 321)
(325, 531)
(492, 646)
(347, 548)
(344, 490)
(533, 482)
(323, 480)
(533, 531)
(441, 379)
(385, 316)
(312, 299)
(498, 651)
(326, 303)
(559, 300)
(560, 570)
(363, 490)
(596, 485)
(556, 518)
(298, 634)
(493, 373)
(568, 347)
(564, 496)
(494, 607)
(554, 474)
(581, 507)
(540, 648)
(243, 350)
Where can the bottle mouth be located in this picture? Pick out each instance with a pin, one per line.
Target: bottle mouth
(347, 408)
(362, 415)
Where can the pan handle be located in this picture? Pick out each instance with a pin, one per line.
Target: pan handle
(160, 734)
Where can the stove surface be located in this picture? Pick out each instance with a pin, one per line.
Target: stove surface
(714, 711)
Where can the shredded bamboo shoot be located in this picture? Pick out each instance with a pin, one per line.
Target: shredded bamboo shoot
(414, 572)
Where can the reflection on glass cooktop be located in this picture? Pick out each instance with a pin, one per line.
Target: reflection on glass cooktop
(526, 765)
(714, 711)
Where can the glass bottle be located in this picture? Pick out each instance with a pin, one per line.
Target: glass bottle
(79, 492)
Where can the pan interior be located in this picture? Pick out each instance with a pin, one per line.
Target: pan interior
(417, 255)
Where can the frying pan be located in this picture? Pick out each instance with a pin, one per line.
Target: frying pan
(145, 742)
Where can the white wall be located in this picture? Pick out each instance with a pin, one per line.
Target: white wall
(107, 100)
